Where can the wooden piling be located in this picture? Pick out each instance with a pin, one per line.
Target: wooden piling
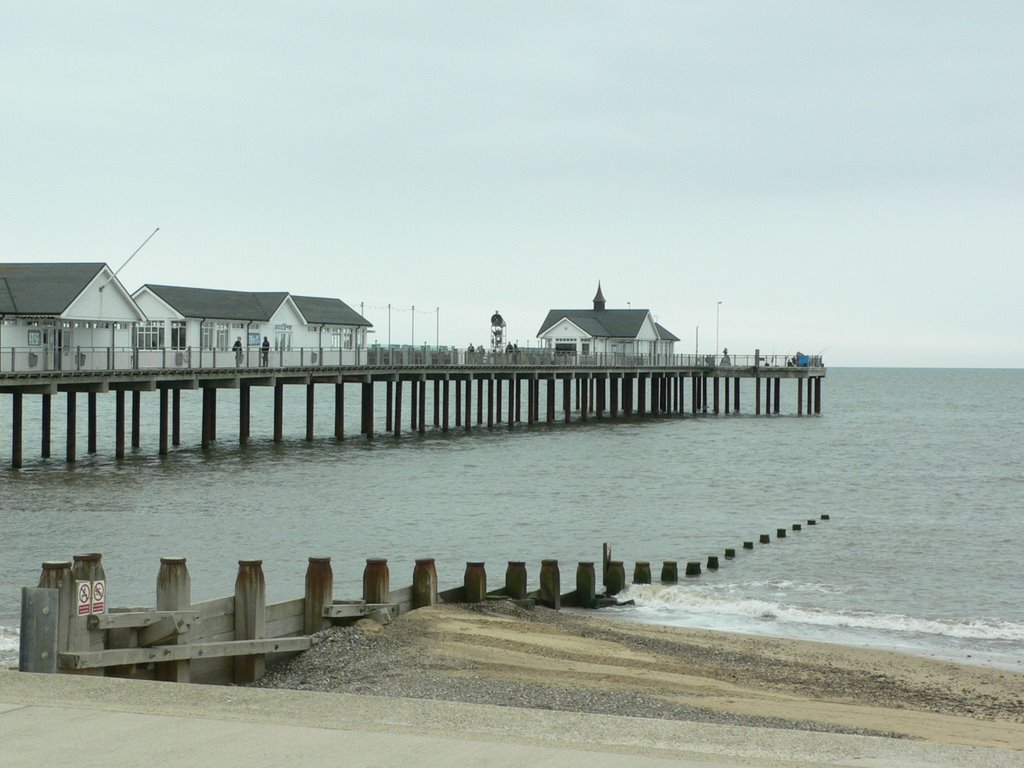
(797, 527)
(780, 533)
(615, 578)
(56, 574)
(250, 618)
(319, 594)
(339, 410)
(550, 584)
(173, 593)
(162, 444)
(730, 553)
(693, 568)
(515, 579)
(38, 646)
(424, 583)
(376, 580)
(669, 572)
(278, 411)
(137, 418)
(310, 400)
(586, 585)
(712, 562)
(641, 572)
(812, 522)
(91, 422)
(16, 458)
(86, 574)
(748, 545)
(175, 418)
(765, 538)
(475, 582)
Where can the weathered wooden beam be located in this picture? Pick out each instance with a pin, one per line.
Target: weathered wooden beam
(158, 653)
(141, 619)
(351, 610)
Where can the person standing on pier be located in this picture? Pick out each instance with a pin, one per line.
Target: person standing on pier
(265, 352)
(238, 352)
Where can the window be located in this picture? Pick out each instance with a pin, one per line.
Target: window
(222, 336)
(178, 334)
(149, 335)
(336, 338)
(207, 337)
(348, 338)
(282, 336)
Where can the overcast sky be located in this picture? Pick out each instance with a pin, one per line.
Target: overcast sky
(844, 178)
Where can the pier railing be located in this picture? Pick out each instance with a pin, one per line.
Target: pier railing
(28, 360)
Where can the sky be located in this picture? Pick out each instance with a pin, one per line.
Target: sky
(839, 178)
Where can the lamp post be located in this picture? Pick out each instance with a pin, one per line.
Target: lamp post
(718, 312)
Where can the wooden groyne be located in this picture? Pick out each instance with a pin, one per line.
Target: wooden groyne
(453, 392)
(67, 626)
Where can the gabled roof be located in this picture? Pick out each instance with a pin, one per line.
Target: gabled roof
(600, 323)
(215, 303)
(319, 310)
(665, 334)
(43, 289)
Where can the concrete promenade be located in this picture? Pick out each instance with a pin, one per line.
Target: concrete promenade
(108, 722)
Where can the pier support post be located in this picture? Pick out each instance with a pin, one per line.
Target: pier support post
(376, 581)
(778, 392)
(513, 400)
(175, 417)
(137, 419)
(437, 402)
(515, 579)
(817, 395)
(339, 409)
(206, 417)
(71, 427)
(799, 397)
(91, 422)
(310, 401)
(479, 402)
(162, 449)
(244, 401)
(389, 406)
(715, 395)
(497, 409)
(567, 399)
(458, 404)
(278, 411)
(119, 424)
(551, 399)
(250, 618)
(642, 394)
(424, 582)
(173, 593)
(16, 405)
(45, 418)
(736, 394)
(490, 400)
(469, 403)
(398, 408)
(444, 406)
(422, 404)
(550, 584)
(475, 582)
(586, 585)
(757, 396)
(367, 402)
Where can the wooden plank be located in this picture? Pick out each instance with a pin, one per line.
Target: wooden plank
(165, 630)
(287, 626)
(220, 606)
(139, 619)
(286, 609)
(96, 659)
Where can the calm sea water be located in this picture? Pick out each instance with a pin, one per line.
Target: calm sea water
(921, 471)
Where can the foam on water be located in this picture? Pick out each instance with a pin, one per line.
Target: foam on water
(728, 607)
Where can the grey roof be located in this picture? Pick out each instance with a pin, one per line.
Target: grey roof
(665, 334)
(319, 310)
(43, 289)
(215, 303)
(607, 323)
(610, 323)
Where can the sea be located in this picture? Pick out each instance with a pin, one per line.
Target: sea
(919, 471)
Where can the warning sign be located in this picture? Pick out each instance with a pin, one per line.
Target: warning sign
(83, 596)
(99, 596)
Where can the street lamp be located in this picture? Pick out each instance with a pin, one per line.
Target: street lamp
(718, 312)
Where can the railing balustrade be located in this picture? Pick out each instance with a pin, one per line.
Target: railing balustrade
(29, 360)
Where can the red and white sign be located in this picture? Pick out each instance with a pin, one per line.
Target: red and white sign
(99, 596)
(83, 597)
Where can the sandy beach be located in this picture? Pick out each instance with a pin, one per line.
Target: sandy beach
(500, 686)
(499, 654)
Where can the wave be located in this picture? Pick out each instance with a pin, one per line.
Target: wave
(674, 602)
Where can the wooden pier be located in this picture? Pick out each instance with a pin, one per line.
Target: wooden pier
(449, 390)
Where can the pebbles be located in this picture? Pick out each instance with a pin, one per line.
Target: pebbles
(496, 653)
